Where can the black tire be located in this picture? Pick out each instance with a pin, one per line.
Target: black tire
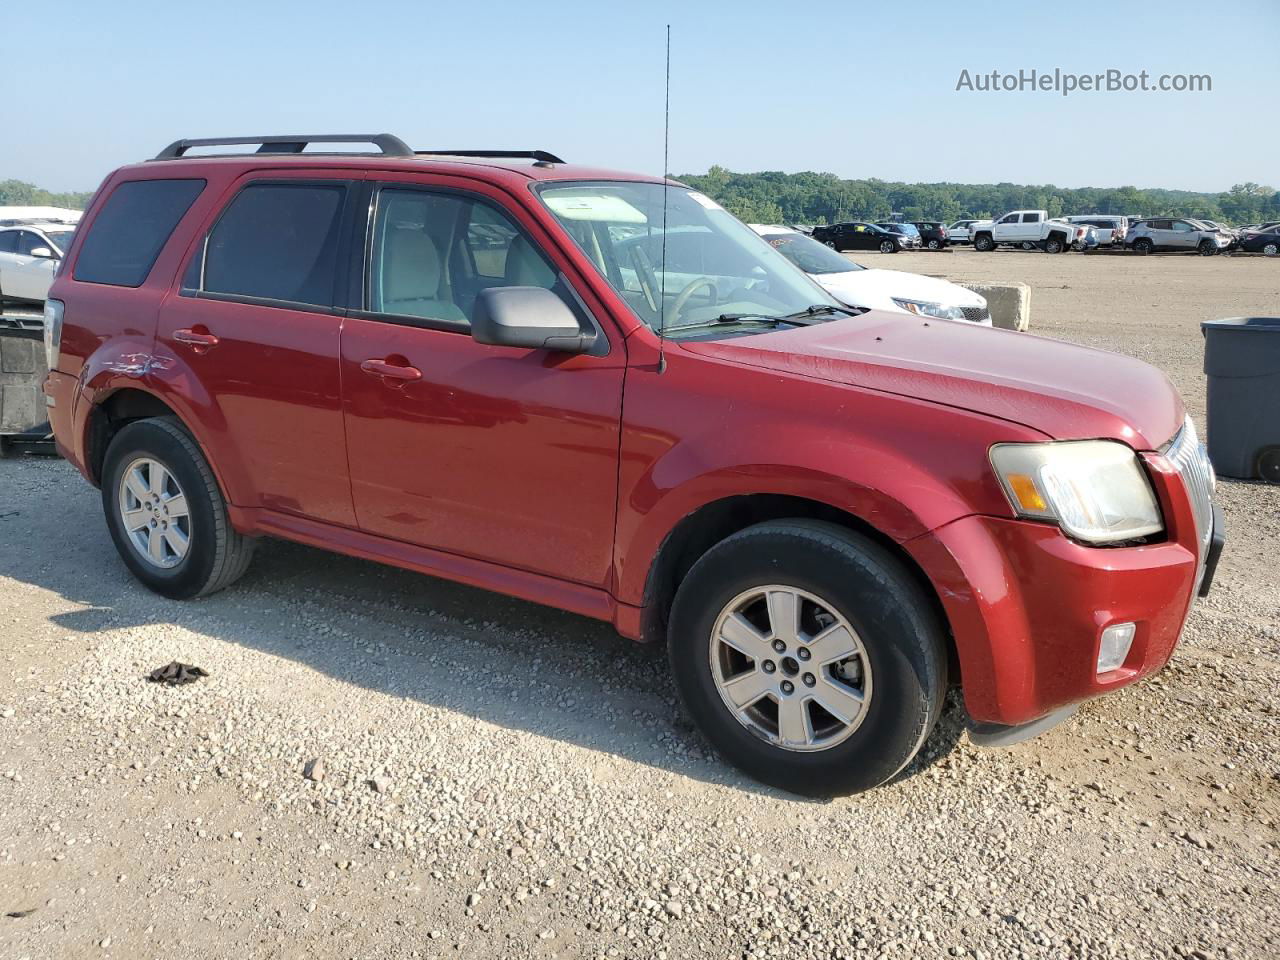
(983, 243)
(896, 621)
(1271, 249)
(831, 244)
(1054, 245)
(935, 244)
(889, 246)
(217, 555)
(1207, 248)
(1142, 247)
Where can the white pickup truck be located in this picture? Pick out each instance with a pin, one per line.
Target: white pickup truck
(1026, 228)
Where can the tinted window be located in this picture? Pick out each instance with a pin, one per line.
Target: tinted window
(8, 241)
(29, 242)
(434, 252)
(1031, 218)
(131, 229)
(277, 242)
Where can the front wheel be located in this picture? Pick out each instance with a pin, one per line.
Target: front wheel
(830, 244)
(982, 243)
(1207, 248)
(888, 246)
(808, 657)
(1271, 249)
(166, 514)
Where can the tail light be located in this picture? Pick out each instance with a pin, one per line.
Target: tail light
(52, 331)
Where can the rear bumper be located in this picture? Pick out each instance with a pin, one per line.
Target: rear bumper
(1027, 607)
(61, 391)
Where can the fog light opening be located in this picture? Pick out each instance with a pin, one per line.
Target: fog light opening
(1113, 649)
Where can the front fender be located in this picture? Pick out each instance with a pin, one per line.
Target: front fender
(901, 466)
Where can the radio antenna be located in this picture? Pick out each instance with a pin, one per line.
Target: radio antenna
(666, 146)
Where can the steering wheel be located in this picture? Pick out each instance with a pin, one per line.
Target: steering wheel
(695, 284)
(645, 277)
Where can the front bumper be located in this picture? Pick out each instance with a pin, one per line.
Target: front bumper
(1027, 606)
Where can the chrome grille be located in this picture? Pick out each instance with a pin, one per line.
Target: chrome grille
(1189, 456)
(976, 314)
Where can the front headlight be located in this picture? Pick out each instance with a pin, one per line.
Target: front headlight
(1096, 490)
(922, 308)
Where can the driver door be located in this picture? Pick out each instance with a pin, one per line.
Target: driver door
(28, 276)
(500, 454)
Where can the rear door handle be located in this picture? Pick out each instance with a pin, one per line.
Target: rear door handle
(392, 371)
(195, 338)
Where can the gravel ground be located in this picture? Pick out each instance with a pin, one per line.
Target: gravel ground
(501, 780)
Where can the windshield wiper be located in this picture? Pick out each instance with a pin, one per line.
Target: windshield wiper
(753, 317)
(818, 309)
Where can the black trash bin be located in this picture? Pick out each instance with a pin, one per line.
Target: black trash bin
(1242, 362)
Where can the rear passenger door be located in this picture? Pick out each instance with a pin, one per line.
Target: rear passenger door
(256, 331)
(500, 454)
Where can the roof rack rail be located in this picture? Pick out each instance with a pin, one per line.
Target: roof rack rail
(542, 156)
(385, 142)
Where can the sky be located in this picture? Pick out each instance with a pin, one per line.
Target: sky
(856, 89)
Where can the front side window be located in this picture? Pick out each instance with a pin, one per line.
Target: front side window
(29, 243)
(277, 241)
(806, 253)
(713, 266)
(1181, 226)
(433, 253)
(1011, 218)
(132, 228)
(61, 239)
(9, 241)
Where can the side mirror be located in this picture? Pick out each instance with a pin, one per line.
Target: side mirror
(44, 253)
(530, 317)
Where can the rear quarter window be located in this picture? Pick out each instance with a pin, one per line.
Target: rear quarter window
(132, 228)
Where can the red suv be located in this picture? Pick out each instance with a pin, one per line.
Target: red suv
(602, 392)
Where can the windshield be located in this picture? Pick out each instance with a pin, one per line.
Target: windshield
(808, 254)
(715, 266)
(61, 239)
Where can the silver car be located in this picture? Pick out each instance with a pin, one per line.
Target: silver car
(1148, 236)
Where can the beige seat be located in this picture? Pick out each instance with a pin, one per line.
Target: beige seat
(525, 268)
(412, 276)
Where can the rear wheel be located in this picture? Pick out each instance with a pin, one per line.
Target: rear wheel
(1053, 245)
(1142, 247)
(166, 514)
(983, 242)
(935, 244)
(808, 657)
(1271, 249)
(830, 244)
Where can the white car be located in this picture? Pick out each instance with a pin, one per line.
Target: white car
(29, 253)
(891, 290)
(1111, 229)
(961, 231)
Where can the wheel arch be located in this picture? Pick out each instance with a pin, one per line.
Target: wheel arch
(713, 522)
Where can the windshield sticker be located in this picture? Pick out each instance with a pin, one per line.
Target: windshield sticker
(595, 207)
(704, 200)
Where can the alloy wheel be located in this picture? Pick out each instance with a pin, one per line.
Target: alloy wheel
(154, 513)
(790, 668)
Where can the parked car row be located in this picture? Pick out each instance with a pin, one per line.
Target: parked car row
(29, 254)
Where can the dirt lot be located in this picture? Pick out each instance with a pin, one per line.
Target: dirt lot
(541, 796)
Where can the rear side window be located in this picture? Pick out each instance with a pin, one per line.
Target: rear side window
(1031, 218)
(132, 228)
(277, 241)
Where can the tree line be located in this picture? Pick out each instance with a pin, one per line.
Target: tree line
(776, 197)
(810, 198)
(15, 193)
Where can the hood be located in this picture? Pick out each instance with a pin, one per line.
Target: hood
(877, 288)
(1065, 391)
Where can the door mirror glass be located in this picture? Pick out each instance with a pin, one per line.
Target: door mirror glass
(530, 317)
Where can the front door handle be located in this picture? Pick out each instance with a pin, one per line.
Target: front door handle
(199, 340)
(391, 371)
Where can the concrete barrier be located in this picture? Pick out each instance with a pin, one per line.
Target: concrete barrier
(1010, 303)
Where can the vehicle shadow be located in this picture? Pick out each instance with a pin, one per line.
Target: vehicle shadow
(503, 661)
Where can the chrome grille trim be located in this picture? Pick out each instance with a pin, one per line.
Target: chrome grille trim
(1191, 459)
